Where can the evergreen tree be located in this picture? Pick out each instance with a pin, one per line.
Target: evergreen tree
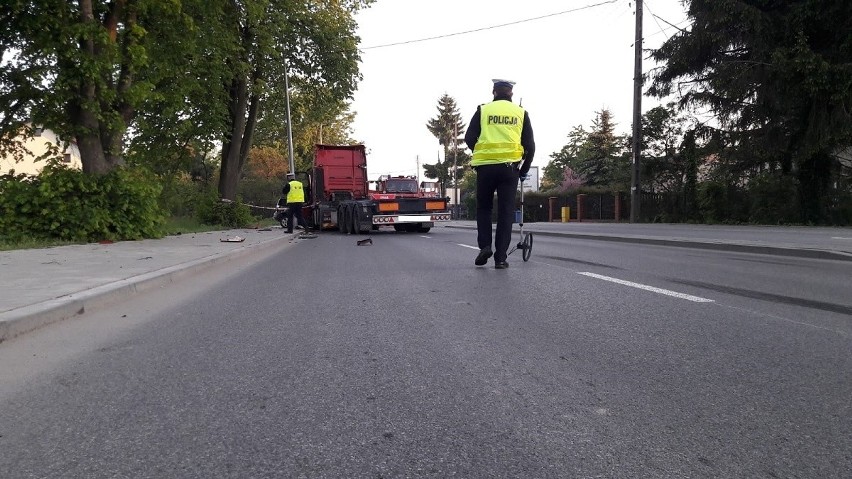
(449, 128)
(663, 168)
(601, 160)
(778, 77)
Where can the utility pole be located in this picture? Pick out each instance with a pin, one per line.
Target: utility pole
(635, 188)
(289, 121)
(456, 167)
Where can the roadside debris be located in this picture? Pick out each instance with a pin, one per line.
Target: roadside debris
(365, 242)
(233, 239)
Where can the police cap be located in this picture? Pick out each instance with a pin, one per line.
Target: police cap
(498, 82)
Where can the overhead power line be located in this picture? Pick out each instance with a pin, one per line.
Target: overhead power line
(488, 28)
(656, 18)
(673, 25)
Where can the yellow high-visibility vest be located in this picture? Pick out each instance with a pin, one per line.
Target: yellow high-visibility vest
(500, 139)
(296, 193)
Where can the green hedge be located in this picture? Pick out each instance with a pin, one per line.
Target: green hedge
(68, 205)
(230, 214)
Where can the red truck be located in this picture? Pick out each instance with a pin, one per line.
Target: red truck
(339, 196)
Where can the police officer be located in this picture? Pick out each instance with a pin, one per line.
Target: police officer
(295, 194)
(501, 138)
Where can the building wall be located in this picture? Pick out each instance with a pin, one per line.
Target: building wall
(37, 146)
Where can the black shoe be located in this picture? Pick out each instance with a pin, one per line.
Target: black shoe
(483, 256)
(501, 265)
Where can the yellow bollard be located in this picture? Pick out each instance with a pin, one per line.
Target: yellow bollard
(566, 214)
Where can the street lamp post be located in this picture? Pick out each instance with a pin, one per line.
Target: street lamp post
(289, 120)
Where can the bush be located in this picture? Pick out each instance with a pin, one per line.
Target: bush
(712, 201)
(774, 200)
(260, 192)
(68, 205)
(181, 196)
(230, 214)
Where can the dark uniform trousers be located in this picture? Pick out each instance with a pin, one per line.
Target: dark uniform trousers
(503, 179)
(294, 210)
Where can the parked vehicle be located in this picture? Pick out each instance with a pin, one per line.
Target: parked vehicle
(341, 196)
(280, 212)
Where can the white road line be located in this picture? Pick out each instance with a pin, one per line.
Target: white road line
(424, 236)
(468, 246)
(840, 237)
(649, 288)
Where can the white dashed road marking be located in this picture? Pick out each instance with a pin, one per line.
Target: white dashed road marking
(649, 288)
(653, 289)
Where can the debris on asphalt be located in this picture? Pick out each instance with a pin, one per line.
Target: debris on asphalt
(233, 239)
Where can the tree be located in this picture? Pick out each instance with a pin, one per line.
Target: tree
(778, 77)
(266, 163)
(565, 159)
(186, 112)
(312, 44)
(312, 124)
(446, 127)
(663, 168)
(570, 180)
(77, 68)
(602, 160)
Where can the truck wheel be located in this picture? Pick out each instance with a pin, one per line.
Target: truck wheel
(347, 212)
(343, 220)
(423, 229)
(356, 220)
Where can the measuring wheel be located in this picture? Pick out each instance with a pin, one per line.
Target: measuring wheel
(526, 246)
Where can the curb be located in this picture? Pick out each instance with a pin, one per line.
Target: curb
(29, 318)
(689, 243)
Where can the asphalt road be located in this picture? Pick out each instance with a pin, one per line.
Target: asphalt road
(402, 359)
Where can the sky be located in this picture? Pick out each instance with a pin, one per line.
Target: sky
(567, 66)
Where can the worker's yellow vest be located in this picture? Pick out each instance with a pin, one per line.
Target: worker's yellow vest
(500, 139)
(296, 193)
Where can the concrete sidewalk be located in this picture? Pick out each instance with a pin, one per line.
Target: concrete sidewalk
(795, 241)
(41, 286)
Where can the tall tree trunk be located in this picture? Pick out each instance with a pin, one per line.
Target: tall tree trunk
(690, 193)
(113, 138)
(251, 123)
(88, 136)
(101, 142)
(230, 171)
